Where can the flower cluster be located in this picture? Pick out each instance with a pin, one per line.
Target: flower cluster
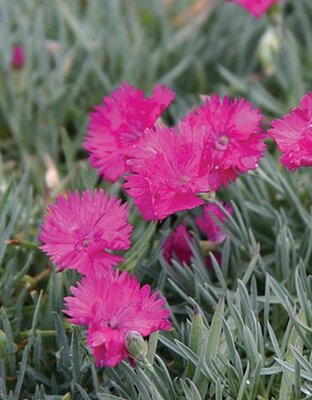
(166, 170)
(81, 232)
(208, 149)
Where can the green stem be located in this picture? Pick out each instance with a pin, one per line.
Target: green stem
(44, 333)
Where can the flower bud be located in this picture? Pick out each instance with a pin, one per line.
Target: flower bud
(269, 47)
(136, 345)
(52, 178)
(17, 57)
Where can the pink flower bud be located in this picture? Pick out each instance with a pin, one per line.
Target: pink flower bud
(17, 57)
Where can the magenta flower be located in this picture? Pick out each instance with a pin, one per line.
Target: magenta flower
(80, 232)
(256, 7)
(293, 135)
(112, 306)
(117, 126)
(178, 244)
(17, 57)
(168, 171)
(234, 137)
(207, 224)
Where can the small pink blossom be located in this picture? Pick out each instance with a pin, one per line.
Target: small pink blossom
(233, 136)
(293, 135)
(178, 244)
(80, 231)
(18, 57)
(168, 171)
(209, 227)
(112, 306)
(117, 126)
(256, 7)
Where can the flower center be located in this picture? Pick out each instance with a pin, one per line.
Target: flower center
(222, 143)
(113, 323)
(184, 183)
(83, 244)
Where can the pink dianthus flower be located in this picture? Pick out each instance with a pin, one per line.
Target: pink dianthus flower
(293, 135)
(256, 7)
(234, 137)
(168, 171)
(117, 126)
(178, 244)
(208, 225)
(79, 232)
(111, 307)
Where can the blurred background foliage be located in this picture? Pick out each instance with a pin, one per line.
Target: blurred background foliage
(250, 336)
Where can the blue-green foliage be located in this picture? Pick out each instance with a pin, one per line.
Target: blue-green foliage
(250, 336)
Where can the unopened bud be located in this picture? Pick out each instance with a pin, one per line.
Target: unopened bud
(269, 47)
(18, 57)
(136, 345)
(51, 177)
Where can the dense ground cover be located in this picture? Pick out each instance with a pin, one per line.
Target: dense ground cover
(241, 329)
